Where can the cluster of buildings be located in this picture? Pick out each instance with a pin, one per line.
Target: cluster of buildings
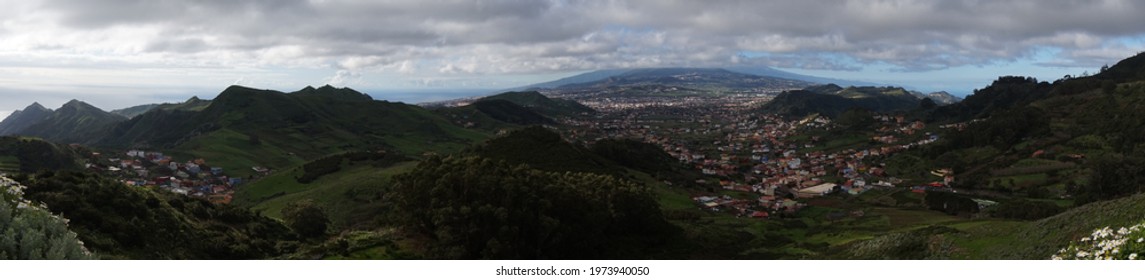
(156, 170)
(771, 157)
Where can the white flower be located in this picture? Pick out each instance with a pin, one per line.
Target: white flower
(1139, 240)
(1133, 256)
(1123, 231)
(1082, 254)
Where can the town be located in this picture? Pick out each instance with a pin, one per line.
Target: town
(778, 163)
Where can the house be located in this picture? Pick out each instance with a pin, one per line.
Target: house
(817, 190)
(982, 203)
(135, 153)
(193, 168)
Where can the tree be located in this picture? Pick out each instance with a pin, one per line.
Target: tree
(856, 119)
(474, 207)
(927, 103)
(253, 139)
(306, 218)
(1113, 176)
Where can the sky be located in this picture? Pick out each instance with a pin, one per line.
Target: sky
(118, 53)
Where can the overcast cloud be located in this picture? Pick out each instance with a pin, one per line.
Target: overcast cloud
(65, 45)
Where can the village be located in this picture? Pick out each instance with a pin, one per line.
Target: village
(154, 170)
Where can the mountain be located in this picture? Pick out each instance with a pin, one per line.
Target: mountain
(831, 100)
(696, 78)
(772, 72)
(192, 104)
(21, 119)
(800, 103)
(1002, 94)
(940, 97)
(331, 92)
(510, 112)
(577, 79)
(131, 112)
(251, 127)
(762, 71)
(552, 107)
(824, 89)
(74, 122)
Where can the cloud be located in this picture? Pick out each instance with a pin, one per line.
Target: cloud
(442, 43)
(525, 36)
(344, 78)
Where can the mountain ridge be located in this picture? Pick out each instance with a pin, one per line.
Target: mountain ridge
(22, 119)
(762, 71)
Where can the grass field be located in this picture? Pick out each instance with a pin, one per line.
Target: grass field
(9, 164)
(348, 195)
(233, 152)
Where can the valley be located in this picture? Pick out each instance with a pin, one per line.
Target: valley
(664, 163)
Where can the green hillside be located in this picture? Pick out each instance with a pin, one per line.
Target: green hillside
(543, 149)
(246, 127)
(192, 104)
(1075, 141)
(510, 112)
(831, 100)
(551, 107)
(21, 154)
(349, 188)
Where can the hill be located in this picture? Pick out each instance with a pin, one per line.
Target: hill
(192, 104)
(551, 107)
(543, 149)
(32, 155)
(1089, 126)
(22, 119)
(509, 112)
(74, 122)
(1004, 93)
(831, 100)
(245, 127)
(940, 97)
(1072, 142)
